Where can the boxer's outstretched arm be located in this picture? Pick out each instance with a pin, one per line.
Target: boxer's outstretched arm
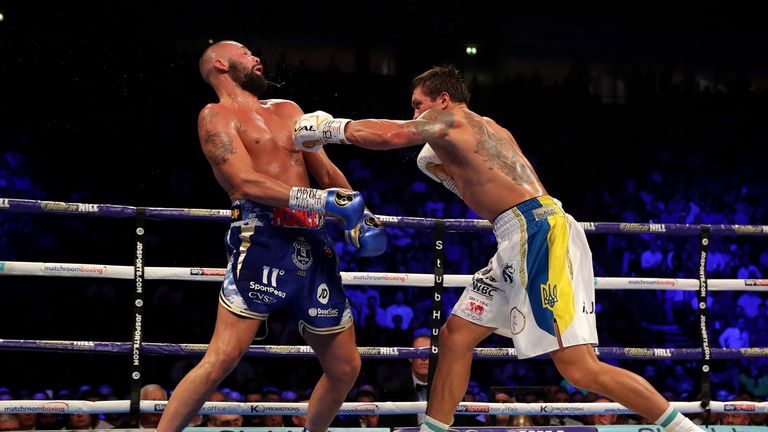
(314, 130)
(432, 126)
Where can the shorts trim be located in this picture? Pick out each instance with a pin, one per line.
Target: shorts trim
(245, 243)
(328, 330)
(243, 313)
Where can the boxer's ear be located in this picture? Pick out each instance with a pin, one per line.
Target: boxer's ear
(444, 100)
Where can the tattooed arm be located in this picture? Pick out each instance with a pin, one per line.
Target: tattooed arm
(433, 125)
(231, 163)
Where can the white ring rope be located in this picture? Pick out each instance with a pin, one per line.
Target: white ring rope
(22, 268)
(384, 408)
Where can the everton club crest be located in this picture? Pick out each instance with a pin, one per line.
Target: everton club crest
(302, 255)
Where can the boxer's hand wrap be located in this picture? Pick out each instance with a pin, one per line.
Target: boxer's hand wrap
(302, 198)
(431, 165)
(342, 204)
(369, 236)
(314, 130)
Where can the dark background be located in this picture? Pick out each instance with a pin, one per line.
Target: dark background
(104, 97)
(99, 103)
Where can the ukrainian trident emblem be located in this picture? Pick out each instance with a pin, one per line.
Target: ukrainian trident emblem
(548, 295)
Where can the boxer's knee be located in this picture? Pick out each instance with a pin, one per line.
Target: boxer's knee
(345, 372)
(448, 335)
(221, 361)
(577, 377)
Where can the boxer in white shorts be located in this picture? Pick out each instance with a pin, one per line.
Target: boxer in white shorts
(547, 303)
(539, 279)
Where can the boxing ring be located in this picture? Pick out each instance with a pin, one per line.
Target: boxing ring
(136, 349)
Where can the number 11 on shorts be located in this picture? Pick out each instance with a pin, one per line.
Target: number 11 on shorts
(267, 279)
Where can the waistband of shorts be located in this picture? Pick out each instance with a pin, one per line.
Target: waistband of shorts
(528, 211)
(266, 215)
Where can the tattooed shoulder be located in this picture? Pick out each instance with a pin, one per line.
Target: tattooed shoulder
(434, 124)
(441, 116)
(499, 153)
(207, 116)
(217, 145)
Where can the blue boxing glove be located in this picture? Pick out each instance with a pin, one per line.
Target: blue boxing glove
(369, 236)
(342, 204)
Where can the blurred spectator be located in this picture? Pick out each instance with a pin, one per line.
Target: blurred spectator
(470, 420)
(500, 395)
(561, 396)
(81, 421)
(9, 422)
(749, 301)
(736, 336)
(399, 308)
(225, 420)
(411, 388)
(359, 299)
(748, 271)
(28, 421)
(300, 420)
(601, 419)
(373, 316)
(680, 381)
(151, 392)
(367, 420)
(272, 394)
(754, 378)
(254, 394)
(734, 418)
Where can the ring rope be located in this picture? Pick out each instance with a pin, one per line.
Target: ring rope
(304, 351)
(384, 408)
(25, 268)
(121, 211)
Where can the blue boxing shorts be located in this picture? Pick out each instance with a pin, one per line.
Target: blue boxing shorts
(283, 258)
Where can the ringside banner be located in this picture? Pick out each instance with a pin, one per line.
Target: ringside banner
(612, 428)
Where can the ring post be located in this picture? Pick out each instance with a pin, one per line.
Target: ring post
(702, 294)
(138, 310)
(437, 302)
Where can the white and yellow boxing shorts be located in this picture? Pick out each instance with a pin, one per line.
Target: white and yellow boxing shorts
(540, 277)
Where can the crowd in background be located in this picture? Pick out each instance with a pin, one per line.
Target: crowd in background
(664, 150)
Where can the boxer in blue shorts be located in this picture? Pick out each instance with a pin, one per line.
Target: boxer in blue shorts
(283, 258)
(538, 287)
(279, 253)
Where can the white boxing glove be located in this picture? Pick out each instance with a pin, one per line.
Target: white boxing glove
(314, 130)
(432, 166)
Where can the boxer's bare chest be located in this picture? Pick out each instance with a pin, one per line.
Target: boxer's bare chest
(269, 141)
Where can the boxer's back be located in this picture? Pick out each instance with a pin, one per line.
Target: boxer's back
(487, 165)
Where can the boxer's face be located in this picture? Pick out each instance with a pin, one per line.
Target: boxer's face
(421, 102)
(246, 71)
